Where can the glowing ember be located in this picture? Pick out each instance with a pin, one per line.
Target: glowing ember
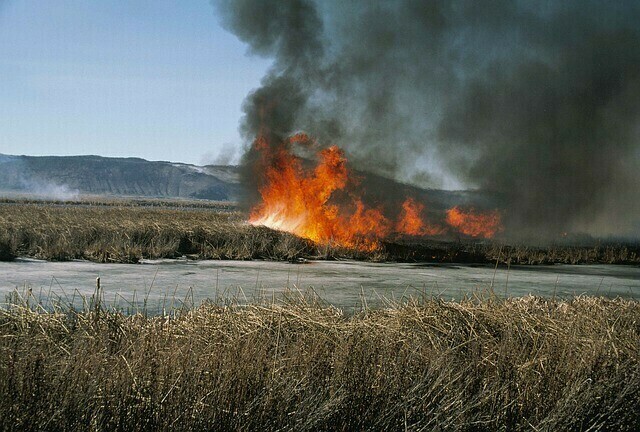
(411, 220)
(474, 224)
(317, 204)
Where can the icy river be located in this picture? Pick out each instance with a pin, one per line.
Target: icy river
(347, 284)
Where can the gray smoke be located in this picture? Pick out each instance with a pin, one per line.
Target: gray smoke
(40, 189)
(536, 103)
(226, 155)
(18, 179)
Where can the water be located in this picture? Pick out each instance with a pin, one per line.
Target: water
(171, 283)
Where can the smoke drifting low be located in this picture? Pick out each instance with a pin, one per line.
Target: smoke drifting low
(537, 103)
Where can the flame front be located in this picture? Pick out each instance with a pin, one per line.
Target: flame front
(412, 222)
(303, 201)
(474, 224)
(299, 202)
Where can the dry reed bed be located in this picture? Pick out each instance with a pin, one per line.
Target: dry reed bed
(115, 201)
(476, 365)
(128, 233)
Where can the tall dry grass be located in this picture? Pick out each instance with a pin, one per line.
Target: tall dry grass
(121, 231)
(128, 234)
(476, 365)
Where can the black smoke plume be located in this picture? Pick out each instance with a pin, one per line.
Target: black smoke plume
(535, 103)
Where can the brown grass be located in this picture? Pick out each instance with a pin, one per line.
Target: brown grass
(476, 365)
(115, 201)
(127, 231)
(128, 234)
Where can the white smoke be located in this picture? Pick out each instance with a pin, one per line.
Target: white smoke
(48, 190)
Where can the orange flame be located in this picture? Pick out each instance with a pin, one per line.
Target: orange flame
(296, 201)
(412, 222)
(304, 202)
(474, 224)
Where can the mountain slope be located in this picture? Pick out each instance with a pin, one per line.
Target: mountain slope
(68, 177)
(64, 176)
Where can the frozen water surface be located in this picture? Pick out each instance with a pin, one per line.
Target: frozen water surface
(342, 283)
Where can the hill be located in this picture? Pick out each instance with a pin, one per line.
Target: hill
(65, 177)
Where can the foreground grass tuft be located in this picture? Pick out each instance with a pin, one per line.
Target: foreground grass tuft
(520, 364)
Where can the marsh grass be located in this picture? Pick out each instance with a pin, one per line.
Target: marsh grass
(295, 363)
(115, 201)
(122, 231)
(128, 234)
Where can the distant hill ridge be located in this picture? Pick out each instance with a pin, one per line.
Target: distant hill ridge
(69, 176)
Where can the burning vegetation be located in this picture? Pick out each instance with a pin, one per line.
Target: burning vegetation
(324, 202)
(535, 103)
(474, 224)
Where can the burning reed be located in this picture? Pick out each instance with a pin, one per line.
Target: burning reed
(326, 202)
(520, 364)
(129, 233)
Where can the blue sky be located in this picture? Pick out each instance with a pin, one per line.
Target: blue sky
(154, 79)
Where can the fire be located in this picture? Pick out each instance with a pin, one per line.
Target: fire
(474, 224)
(320, 204)
(411, 221)
(297, 201)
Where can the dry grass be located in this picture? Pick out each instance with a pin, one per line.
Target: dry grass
(128, 234)
(505, 254)
(123, 231)
(600, 253)
(476, 365)
(115, 201)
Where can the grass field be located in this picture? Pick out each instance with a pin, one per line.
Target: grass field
(476, 365)
(481, 364)
(128, 231)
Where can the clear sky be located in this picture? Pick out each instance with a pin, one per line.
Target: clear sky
(156, 79)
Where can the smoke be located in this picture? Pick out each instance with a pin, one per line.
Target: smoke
(17, 178)
(48, 190)
(535, 103)
(226, 155)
